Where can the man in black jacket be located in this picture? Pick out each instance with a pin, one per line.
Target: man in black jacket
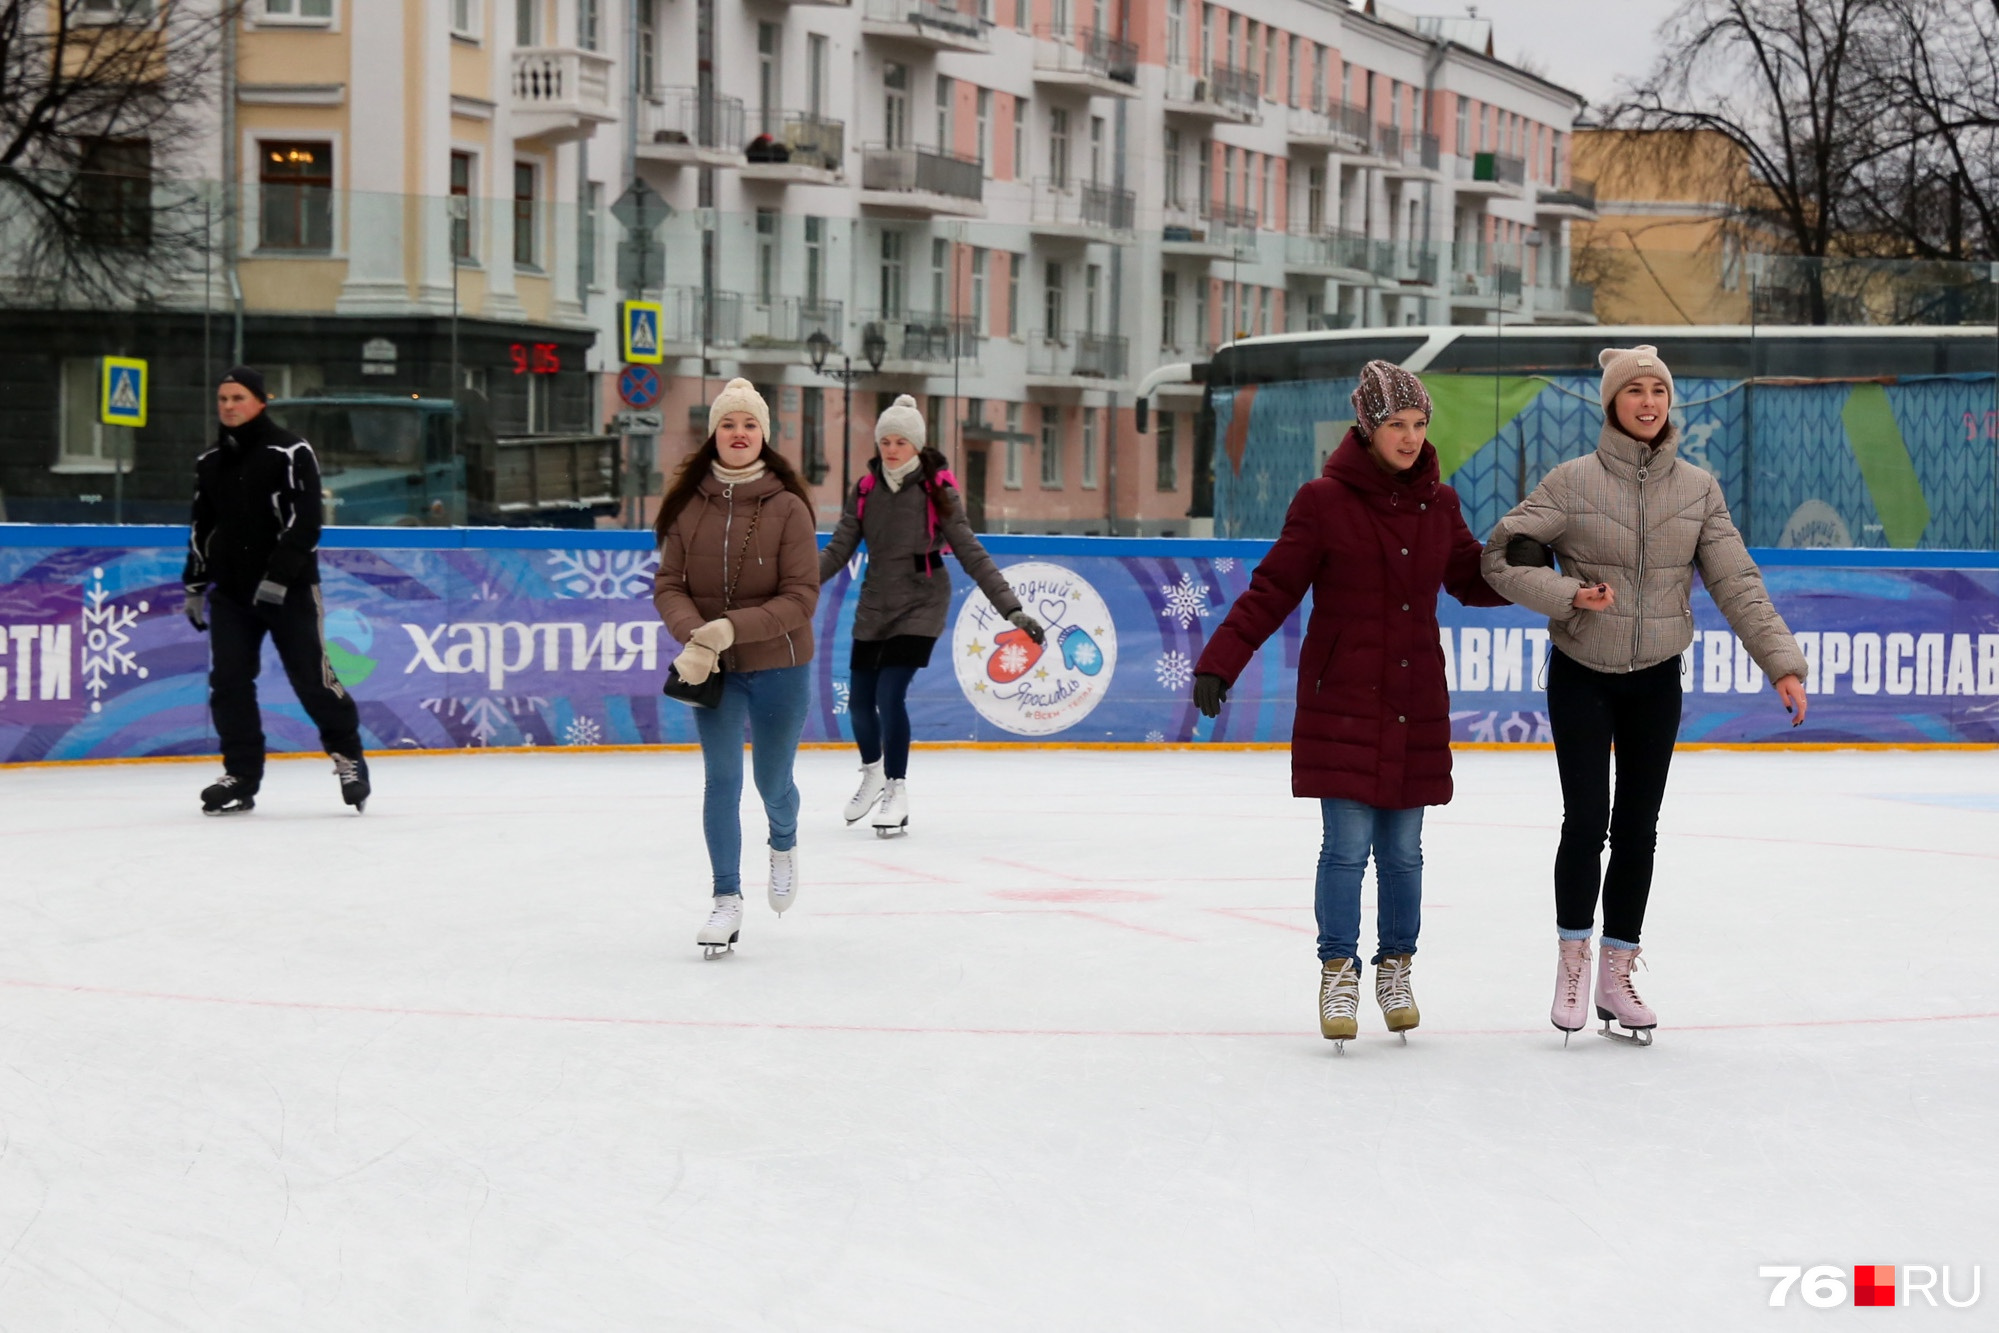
(252, 570)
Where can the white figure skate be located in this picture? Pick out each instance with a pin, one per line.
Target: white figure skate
(868, 794)
(725, 926)
(892, 820)
(783, 879)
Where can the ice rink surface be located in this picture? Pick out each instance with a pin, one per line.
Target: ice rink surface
(1051, 1062)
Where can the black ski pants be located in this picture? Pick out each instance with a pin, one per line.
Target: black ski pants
(1589, 711)
(236, 631)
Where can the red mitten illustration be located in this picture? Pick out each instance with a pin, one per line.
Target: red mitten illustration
(1014, 655)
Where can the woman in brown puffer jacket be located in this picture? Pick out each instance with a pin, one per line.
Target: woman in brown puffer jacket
(738, 582)
(1631, 523)
(907, 510)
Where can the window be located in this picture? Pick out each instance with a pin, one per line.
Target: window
(524, 215)
(1173, 169)
(1464, 127)
(947, 95)
(1011, 474)
(1204, 161)
(1234, 29)
(812, 432)
(461, 207)
(979, 291)
(1058, 148)
(115, 11)
(1395, 105)
(1269, 61)
(88, 445)
(589, 24)
(590, 217)
(891, 274)
(1053, 314)
(1096, 150)
(1318, 77)
(940, 268)
(770, 90)
(1202, 330)
(1090, 415)
(1051, 448)
(1093, 277)
(1228, 176)
(115, 194)
(766, 255)
(463, 15)
(815, 74)
(1485, 128)
(1176, 33)
(1346, 83)
(295, 196)
(815, 261)
(895, 105)
(1020, 136)
(1013, 294)
(1169, 309)
(1315, 200)
(527, 23)
(985, 116)
(1208, 13)
(648, 46)
(1167, 477)
(275, 9)
(1023, 15)
(1291, 46)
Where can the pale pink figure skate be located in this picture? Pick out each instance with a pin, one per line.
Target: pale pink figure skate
(1617, 999)
(1571, 1011)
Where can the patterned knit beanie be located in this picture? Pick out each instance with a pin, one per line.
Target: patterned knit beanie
(1385, 389)
(901, 418)
(739, 396)
(1621, 365)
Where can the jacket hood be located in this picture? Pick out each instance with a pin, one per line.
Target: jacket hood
(1624, 455)
(1353, 464)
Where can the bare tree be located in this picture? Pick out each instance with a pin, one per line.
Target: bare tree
(93, 93)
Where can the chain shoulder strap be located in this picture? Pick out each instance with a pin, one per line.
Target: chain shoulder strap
(742, 559)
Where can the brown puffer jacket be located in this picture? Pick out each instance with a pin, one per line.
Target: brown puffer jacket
(907, 589)
(1640, 519)
(775, 568)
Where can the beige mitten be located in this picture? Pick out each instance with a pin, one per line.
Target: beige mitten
(696, 663)
(717, 635)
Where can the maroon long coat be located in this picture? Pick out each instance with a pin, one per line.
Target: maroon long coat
(1373, 547)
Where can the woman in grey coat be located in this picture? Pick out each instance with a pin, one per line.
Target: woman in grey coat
(907, 509)
(1631, 523)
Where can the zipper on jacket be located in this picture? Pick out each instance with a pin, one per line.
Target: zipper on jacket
(1638, 592)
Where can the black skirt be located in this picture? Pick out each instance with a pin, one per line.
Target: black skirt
(901, 650)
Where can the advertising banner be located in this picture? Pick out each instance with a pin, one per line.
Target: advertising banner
(453, 638)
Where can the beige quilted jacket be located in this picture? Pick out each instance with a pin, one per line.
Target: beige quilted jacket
(1641, 520)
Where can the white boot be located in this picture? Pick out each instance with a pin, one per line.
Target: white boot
(873, 784)
(783, 879)
(893, 817)
(725, 925)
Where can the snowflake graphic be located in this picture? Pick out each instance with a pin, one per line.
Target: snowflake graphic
(582, 731)
(1013, 659)
(1087, 654)
(106, 644)
(1186, 601)
(1174, 670)
(1154, 737)
(841, 692)
(489, 717)
(1225, 565)
(602, 575)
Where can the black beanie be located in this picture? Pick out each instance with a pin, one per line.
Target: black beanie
(250, 378)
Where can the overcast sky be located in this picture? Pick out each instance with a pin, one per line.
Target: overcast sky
(1585, 45)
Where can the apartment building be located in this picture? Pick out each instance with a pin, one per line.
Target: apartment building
(1011, 209)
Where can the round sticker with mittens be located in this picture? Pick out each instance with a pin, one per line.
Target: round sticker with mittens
(1024, 687)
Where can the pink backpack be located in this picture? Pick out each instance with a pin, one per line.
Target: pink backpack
(869, 478)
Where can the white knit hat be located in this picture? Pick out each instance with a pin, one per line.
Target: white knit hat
(739, 396)
(901, 418)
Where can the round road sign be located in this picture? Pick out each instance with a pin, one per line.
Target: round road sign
(639, 387)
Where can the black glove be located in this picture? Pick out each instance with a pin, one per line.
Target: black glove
(1030, 626)
(195, 607)
(1210, 693)
(1524, 550)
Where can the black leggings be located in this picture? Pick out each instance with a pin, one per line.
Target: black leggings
(1589, 711)
(879, 704)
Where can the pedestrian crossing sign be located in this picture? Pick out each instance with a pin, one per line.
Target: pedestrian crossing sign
(639, 321)
(121, 400)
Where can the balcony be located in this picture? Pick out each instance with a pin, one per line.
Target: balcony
(1481, 277)
(1492, 174)
(1577, 202)
(802, 149)
(1075, 360)
(1410, 156)
(1332, 125)
(1079, 211)
(936, 25)
(1345, 255)
(1223, 94)
(1084, 58)
(922, 182)
(774, 331)
(1196, 230)
(923, 344)
(680, 127)
(560, 94)
(1412, 264)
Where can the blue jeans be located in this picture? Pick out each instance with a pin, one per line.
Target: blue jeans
(1396, 839)
(774, 704)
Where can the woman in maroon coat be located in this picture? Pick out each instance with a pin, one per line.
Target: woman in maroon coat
(1372, 539)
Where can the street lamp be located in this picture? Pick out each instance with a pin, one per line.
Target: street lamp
(873, 346)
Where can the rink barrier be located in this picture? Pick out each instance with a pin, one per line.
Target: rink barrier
(520, 639)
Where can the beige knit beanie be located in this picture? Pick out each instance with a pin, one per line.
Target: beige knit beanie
(739, 396)
(1621, 365)
(901, 418)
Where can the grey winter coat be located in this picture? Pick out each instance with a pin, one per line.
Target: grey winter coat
(908, 589)
(1641, 520)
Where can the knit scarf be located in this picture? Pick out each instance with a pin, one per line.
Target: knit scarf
(896, 476)
(736, 476)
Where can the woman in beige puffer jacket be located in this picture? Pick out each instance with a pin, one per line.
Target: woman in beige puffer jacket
(1631, 523)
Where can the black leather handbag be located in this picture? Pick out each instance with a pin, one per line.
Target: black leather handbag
(708, 694)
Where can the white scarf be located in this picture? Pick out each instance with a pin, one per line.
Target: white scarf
(896, 476)
(736, 476)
